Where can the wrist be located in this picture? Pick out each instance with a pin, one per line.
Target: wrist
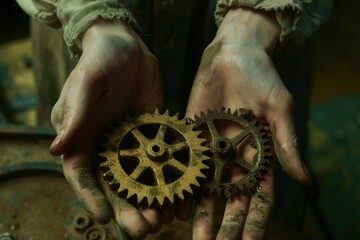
(100, 28)
(250, 27)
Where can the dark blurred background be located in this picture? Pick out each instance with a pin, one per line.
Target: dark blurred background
(334, 124)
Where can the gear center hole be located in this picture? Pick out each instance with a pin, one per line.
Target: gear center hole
(222, 144)
(156, 148)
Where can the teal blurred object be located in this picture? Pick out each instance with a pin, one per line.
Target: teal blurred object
(334, 157)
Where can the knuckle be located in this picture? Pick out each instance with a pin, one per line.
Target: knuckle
(255, 228)
(229, 231)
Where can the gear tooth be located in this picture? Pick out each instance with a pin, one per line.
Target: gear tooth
(167, 112)
(108, 174)
(176, 116)
(102, 154)
(196, 117)
(228, 111)
(189, 189)
(267, 154)
(156, 112)
(196, 182)
(113, 182)
(197, 133)
(204, 140)
(181, 195)
(151, 200)
(130, 194)
(171, 198)
(161, 200)
(104, 165)
(236, 112)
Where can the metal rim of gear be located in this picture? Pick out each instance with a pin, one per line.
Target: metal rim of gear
(154, 154)
(223, 150)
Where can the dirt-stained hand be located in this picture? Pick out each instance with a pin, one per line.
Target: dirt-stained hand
(115, 73)
(236, 71)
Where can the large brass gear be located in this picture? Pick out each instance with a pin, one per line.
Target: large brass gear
(223, 150)
(154, 157)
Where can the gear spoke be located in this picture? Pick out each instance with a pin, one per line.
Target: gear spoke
(240, 137)
(161, 132)
(181, 168)
(213, 131)
(178, 146)
(243, 163)
(137, 172)
(134, 152)
(139, 136)
(159, 177)
(218, 172)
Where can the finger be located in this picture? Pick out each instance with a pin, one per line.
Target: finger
(203, 222)
(167, 212)
(183, 209)
(285, 144)
(234, 217)
(153, 217)
(77, 171)
(260, 208)
(235, 211)
(128, 217)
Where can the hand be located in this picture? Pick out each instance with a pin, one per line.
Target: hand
(115, 73)
(236, 71)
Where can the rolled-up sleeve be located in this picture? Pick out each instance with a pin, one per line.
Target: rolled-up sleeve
(298, 19)
(77, 15)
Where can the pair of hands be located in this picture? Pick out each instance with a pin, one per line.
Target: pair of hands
(117, 73)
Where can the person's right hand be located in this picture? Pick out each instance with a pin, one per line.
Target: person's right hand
(115, 73)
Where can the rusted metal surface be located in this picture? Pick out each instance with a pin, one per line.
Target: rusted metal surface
(81, 226)
(227, 152)
(155, 157)
(20, 145)
(35, 198)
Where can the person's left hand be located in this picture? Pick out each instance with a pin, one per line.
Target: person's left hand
(236, 71)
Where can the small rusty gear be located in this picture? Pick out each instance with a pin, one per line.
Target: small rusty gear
(154, 157)
(223, 150)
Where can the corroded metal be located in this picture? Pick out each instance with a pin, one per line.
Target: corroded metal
(224, 151)
(82, 226)
(153, 157)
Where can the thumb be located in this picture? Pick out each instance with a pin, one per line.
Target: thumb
(69, 117)
(285, 144)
